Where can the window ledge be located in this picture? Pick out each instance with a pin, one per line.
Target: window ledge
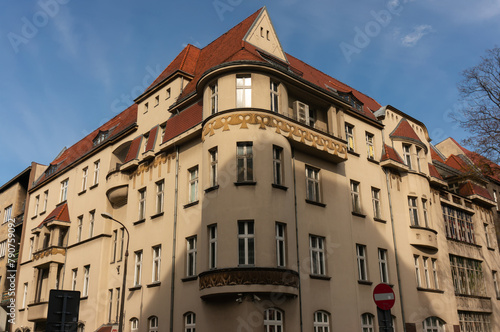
(157, 215)
(191, 204)
(380, 220)
(135, 288)
(365, 282)
(373, 161)
(315, 203)
(192, 278)
(474, 296)
(424, 228)
(84, 298)
(490, 248)
(82, 192)
(353, 153)
(430, 290)
(21, 309)
(357, 214)
(279, 186)
(154, 284)
(139, 222)
(245, 183)
(211, 188)
(34, 217)
(61, 203)
(319, 277)
(41, 213)
(93, 186)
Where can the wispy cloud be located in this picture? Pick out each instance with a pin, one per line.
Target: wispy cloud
(411, 39)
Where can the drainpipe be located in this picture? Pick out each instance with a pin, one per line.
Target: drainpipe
(297, 236)
(176, 194)
(394, 242)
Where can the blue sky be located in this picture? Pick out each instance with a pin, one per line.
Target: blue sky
(68, 66)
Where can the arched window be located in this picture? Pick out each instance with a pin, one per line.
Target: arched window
(273, 320)
(321, 321)
(134, 324)
(367, 323)
(190, 322)
(153, 324)
(433, 324)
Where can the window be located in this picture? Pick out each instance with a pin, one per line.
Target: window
(367, 323)
(474, 321)
(3, 248)
(277, 165)
(122, 242)
(37, 201)
(110, 304)
(426, 272)
(312, 118)
(361, 258)
(356, 204)
(243, 91)
(156, 263)
(190, 322)
(167, 93)
(153, 324)
(46, 240)
(458, 224)
(117, 317)
(25, 295)
(134, 325)
(417, 270)
(495, 198)
(312, 184)
(435, 273)
(413, 209)
(86, 279)
(321, 321)
(62, 237)
(317, 252)
(426, 215)
(407, 155)
(434, 324)
(213, 166)
(487, 236)
(91, 223)
(146, 107)
(74, 274)
(273, 320)
(244, 161)
(45, 199)
(142, 204)
(64, 190)
(212, 246)
(274, 96)
(214, 98)
(495, 284)
(79, 230)
(370, 150)
(382, 264)
(191, 256)
(115, 243)
(138, 268)
(349, 133)
(193, 184)
(246, 243)
(160, 187)
(280, 245)
(85, 173)
(32, 244)
(419, 157)
(376, 203)
(96, 172)
(467, 276)
(41, 284)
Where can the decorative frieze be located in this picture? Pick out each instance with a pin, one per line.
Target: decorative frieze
(248, 276)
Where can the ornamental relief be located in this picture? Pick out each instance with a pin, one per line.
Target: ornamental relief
(147, 168)
(289, 129)
(248, 277)
(474, 304)
(49, 252)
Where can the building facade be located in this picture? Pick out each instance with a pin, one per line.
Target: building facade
(259, 194)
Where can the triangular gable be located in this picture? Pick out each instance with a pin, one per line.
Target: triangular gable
(60, 213)
(263, 35)
(404, 129)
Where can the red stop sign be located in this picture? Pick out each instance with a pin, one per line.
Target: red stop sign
(383, 296)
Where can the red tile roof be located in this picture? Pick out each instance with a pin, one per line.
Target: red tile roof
(468, 189)
(390, 153)
(133, 151)
(404, 129)
(60, 213)
(457, 163)
(435, 155)
(183, 121)
(152, 138)
(115, 126)
(434, 172)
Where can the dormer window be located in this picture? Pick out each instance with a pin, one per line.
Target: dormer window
(350, 99)
(101, 137)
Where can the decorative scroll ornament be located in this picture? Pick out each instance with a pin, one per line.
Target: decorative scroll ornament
(49, 252)
(230, 277)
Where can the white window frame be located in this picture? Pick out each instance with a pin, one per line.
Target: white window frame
(37, 202)
(214, 98)
(416, 262)
(313, 184)
(426, 272)
(407, 155)
(435, 272)
(74, 280)
(153, 324)
(433, 324)
(413, 210)
(79, 229)
(273, 320)
(419, 150)
(275, 97)
(377, 212)
(426, 213)
(487, 235)
(25, 295)
(134, 324)
(91, 223)
(156, 264)
(97, 165)
(64, 191)
(212, 246)
(110, 304)
(243, 90)
(193, 184)
(495, 283)
(32, 247)
(321, 321)
(214, 156)
(160, 190)
(244, 161)
(117, 316)
(190, 322)
(85, 174)
(361, 260)
(191, 253)
(142, 203)
(115, 244)
(367, 324)
(349, 134)
(280, 244)
(3, 248)
(86, 280)
(383, 265)
(138, 268)
(317, 255)
(355, 197)
(370, 146)
(246, 243)
(278, 165)
(45, 200)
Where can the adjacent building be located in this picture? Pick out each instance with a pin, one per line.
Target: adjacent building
(260, 194)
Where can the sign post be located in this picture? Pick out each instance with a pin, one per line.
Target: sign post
(384, 298)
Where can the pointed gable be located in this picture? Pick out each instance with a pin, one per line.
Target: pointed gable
(60, 213)
(457, 163)
(263, 36)
(389, 153)
(434, 172)
(404, 130)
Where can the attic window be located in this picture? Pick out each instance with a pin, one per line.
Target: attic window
(50, 170)
(356, 104)
(100, 137)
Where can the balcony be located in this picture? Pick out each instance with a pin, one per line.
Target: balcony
(423, 237)
(6, 298)
(49, 255)
(222, 282)
(38, 311)
(117, 188)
